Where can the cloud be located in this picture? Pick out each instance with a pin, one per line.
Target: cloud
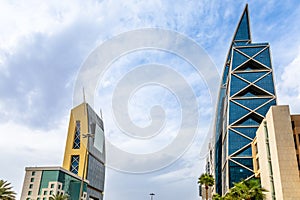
(288, 86)
(43, 44)
(22, 146)
(40, 57)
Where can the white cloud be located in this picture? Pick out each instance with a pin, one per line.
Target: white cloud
(288, 87)
(43, 44)
(22, 146)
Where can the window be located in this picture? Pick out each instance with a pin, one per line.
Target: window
(52, 185)
(44, 198)
(257, 163)
(30, 186)
(32, 180)
(295, 141)
(298, 162)
(76, 143)
(28, 198)
(256, 149)
(51, 192)
(29, 192)
(293, 125)
(45, 192)
(33, 173)
(38, 198)
(58, 186)
(74, 164)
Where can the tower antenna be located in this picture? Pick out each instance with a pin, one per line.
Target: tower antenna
(83, 93)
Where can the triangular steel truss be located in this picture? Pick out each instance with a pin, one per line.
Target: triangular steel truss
(246, 93)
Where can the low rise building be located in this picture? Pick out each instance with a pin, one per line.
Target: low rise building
(40, 183)
(275, 151)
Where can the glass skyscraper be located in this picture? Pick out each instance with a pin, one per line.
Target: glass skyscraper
(246, 94)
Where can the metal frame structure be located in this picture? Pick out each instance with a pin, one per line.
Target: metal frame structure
(246, 93)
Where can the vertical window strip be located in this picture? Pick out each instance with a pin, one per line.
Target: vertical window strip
(269, 160)
(74, 164)
(76, 143)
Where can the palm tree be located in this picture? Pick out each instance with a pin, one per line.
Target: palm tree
(6, 192)
(255, 189)
(59, 197)
(217, 197)
(247, 190)
(207, 180)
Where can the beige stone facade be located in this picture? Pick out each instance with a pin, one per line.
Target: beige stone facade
(31, 184)
(274, 154)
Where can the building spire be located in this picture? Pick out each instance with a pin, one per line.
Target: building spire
(83, 93)
(242, 32)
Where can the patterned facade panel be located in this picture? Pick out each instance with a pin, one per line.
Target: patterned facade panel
(238, 59)
(251, 51)
(266, 83)
(252, 91)
(238, 172)
(247, 131)
(251, 65)
(251, 76)
(249, 120)
(243, 31)
(236, 85)
(236, 142)
(264, 109)
(96, 173)
(94, 194)
(76, 142)
(252, 103)
(236, 112)
(245, 152)
(264, 58)
(74, 164)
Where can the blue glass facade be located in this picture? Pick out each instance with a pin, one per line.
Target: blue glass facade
(246, 93)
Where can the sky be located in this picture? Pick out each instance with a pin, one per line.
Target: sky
(45, 47)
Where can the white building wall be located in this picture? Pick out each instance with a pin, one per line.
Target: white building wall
(282, 154)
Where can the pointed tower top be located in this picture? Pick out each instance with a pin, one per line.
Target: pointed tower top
(242, 32)
(83, 93)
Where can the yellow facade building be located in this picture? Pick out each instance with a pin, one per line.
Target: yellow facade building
(83, 173)
(76, 145)
(85, 149)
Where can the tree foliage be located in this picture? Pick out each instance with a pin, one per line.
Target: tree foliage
(6, 192)
(59, 197)
(244, 190)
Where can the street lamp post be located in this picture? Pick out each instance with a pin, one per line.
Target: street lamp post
(151, 195)
(89, 135)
